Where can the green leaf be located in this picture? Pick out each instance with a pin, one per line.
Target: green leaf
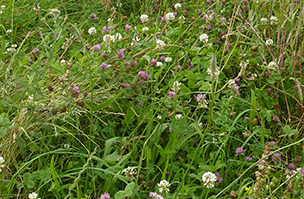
(106, 103)
(127, 192)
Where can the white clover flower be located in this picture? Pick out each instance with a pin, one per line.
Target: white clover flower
(203, 38)
(36, 8)
(272, 64)
(118, 36)
(9, 31)
(14, 45)
(231, 83)
(177, 6)
(129, 172)
(54, 11)
(264, 21)
(163, 186)
(1, 163)
(269, 42)
(92, 30)
(144, 18)
(159, 117)
(3, 7)
(178, 116)
(160, 44)
(145, 29)
(273, 20)
(63, 62)
(33, 195)
(168, 59)
(10, 49)
(107, 38)
(170, 16)
(209, 179)
(136, 40)
(159, 63)
(175, 86)
(110, 19)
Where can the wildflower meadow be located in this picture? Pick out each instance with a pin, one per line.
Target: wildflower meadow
(152, 99)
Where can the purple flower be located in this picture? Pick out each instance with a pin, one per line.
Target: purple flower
(219, 178)
(139, 103)
(276, 157)
(105, 196)
(236, 87)
(141, 73)
(127, 27)
(76, 90)
(208, 1)
(120, 54)
(170, 129)
(154, 195)
(154, 23)
(222, 19)
(96, 47)
(237, 80)
(239, 150)
(199, 11)
(36, 50)
(200, 124)
(134, 63)
(125, 85)
(199, 97)
(276, 118)
(248, 158)
(291, 166)
(272, 143)
(302, 173)
(103, 54)
(171, 94)
(104, 66)
(110, 27)
(167, 172)
(246, 118)
(178, 67)
(297, 1)
(196, 45)
(154, 62)
(203, 17)
(93, 16)
(162, 58)
(104, 29)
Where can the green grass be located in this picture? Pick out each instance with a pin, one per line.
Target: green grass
(70, 128)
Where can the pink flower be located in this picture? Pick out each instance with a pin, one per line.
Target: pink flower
(139, 103)
(199, 97)
(105, 196)
(291, 166)
(239, 150)
(76, 90)
(162, 58)
(96, 47)
(93, 16)
(154, 62)
(127, 27)
(36, 50)
(248, 158)
(171, 94)
(120, 54)
(219, 178)
(104, 66)
(104, 29)
(276, 157)
(125, 85)
(110, 27)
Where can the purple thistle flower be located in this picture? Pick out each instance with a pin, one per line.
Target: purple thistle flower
(239, 150)
(104, 66)
(291, 166)
(96, 47)
(93, 16)
(276, 157)
(171, 94)
(125, 85)
(127, 27)
(120, 54)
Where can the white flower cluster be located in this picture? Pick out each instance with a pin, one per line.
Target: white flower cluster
(209, 179)
(231, 83)
(289, 173)
(273, 20)
(144, 29)
(160, 44)
(92, 30)
(144, 18)
(130, 172)
(12, 48)
(177, 6)
(175, 86)
(163, 186)
(269, 42)
(272, 64)
(168, 59)
(264, 21)
(203, 38)
(170, 16)
(1, 163)
(33, 195)
(54, 11)
(109, 38)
